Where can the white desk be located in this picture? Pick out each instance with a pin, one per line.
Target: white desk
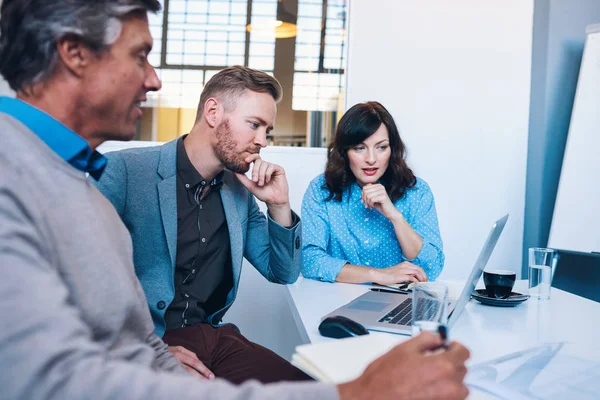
(488, 332)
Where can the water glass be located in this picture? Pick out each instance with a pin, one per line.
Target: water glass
(540, 272)
(429, 307)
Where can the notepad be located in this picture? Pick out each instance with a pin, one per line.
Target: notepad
(343, 360)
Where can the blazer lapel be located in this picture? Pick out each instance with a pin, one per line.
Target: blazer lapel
(234, 225)
(167, 195)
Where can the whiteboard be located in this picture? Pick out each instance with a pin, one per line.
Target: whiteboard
(576, 219)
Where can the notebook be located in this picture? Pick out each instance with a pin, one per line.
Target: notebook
(344, 359)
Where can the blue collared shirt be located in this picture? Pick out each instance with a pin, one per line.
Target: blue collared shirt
(64, 142)
(335, 233)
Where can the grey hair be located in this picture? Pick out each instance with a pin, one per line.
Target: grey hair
(30, 30)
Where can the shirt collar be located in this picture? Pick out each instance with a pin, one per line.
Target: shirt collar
(189, 174)
(63, 141)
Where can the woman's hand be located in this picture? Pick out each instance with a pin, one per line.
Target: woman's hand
(399, 273)
(375, 196)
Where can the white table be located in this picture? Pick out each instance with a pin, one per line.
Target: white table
(488, 332)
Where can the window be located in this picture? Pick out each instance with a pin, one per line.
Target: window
(194, 39)
(320, 55)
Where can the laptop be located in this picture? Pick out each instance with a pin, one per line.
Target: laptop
(391, 312)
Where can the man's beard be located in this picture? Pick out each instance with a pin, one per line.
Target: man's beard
(226, 150)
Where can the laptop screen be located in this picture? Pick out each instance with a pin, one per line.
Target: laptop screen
(477, 270)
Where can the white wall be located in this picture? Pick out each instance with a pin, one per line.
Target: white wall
(456, 76)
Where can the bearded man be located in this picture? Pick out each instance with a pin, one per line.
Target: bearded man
(193, 216)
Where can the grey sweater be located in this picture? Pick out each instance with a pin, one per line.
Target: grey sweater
(74, 320)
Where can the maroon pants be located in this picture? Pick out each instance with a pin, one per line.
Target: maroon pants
(229, 355)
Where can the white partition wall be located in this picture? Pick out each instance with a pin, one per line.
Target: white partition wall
(456, 77)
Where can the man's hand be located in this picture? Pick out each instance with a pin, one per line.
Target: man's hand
(375, 196)
(191, 363)
(269, 184)
(412, 371)
(399, 273)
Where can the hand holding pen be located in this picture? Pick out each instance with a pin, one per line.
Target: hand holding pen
(443, 331)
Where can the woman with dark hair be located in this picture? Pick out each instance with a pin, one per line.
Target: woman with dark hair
(368, 218)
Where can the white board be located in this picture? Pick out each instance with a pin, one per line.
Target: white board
(576, 220)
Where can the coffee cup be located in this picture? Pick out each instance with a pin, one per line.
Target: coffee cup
(499, 283)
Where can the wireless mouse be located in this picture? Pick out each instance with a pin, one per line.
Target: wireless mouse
(341, 327)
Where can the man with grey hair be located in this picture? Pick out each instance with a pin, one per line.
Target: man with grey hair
(75, 323)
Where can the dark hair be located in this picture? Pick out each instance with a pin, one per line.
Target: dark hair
(356, 125)
(234, 81)
(30, 30)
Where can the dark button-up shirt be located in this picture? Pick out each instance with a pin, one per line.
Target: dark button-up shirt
(203, 275)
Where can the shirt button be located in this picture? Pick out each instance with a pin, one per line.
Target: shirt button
(203, 240)
(161, 305)
(203, 183)
(187, 185)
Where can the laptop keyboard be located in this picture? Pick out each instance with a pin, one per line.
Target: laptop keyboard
(402, 315)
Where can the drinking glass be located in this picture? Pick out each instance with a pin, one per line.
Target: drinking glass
(540, 272)
(429, 307)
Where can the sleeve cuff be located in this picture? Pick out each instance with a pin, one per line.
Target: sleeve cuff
(295, 222)
(427, 258)
(332, 269)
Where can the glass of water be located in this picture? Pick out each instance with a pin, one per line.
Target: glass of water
(540, 272)
(429, 307)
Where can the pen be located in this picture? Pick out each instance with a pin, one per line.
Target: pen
(396, 291)
(443, 331)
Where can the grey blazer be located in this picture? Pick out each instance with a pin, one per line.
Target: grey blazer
(141, 184)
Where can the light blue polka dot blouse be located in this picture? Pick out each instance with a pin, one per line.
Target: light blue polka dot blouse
(335, 233)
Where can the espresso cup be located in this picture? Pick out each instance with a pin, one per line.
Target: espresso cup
(499, 283)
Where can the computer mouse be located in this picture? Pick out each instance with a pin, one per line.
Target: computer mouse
(341, 327)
